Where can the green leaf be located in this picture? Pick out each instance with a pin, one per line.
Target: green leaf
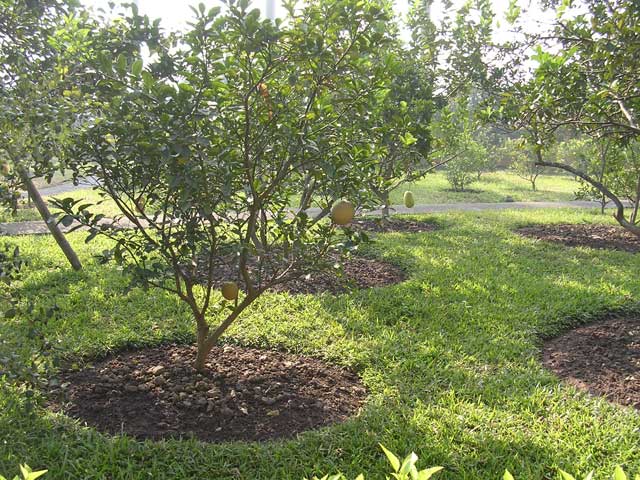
(408, 464)
(393, 460)
(136, 68)
(29, 474)
(121, 64)
(67, 220)
(34, 475)
(104, 59)
(427, 473)
(565, 475)
(618, 474)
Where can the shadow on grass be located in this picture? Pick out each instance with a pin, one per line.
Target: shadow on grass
(450, 358)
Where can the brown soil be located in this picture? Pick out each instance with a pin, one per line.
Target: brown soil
(350, 273)
(602, 358)
(585, 235)
(399, 225)
(246, 394)
(356, 272)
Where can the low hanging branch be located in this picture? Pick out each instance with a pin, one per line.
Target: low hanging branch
(619, 213)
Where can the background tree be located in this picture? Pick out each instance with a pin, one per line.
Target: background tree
(204, 148)
(398, 139)
(463, 169)
(32, 113)
(521, 160)
(455, 130)
(589, 83)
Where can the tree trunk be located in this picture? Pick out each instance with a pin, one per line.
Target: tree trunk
(604, 149)
(636, 204)
(385, 206)
(533, 184)
(49, 221)
(619, 212)
(204, 348)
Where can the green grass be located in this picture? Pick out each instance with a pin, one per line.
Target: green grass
(451, 358)
(434, 188)
(492, 187)
(26, 213)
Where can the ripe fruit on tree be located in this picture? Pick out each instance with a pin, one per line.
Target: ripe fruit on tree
(342, 212)
(409, 202)
(141, 202)
(229, 290)
(6, 168)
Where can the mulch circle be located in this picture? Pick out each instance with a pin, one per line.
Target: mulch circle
(585, 235)
(356, 272)
(246, 394)
(351, 273)
(602, 358)
(399, 225)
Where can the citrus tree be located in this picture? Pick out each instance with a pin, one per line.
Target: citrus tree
(589, 84)
(455, 134)
(32, 98)
(206, 144)
(521, 160)
(398, 140)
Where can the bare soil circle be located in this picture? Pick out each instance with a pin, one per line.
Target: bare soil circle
(585, 235)
(602, 358)
(350, 273)
(245, 394)
(393, 224)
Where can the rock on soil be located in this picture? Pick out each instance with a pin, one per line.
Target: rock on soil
(602, 358)
(585, 235)
(245, 394)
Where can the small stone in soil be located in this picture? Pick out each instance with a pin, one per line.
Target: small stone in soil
(158, 369)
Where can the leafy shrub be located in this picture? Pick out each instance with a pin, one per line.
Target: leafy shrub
(463, 170)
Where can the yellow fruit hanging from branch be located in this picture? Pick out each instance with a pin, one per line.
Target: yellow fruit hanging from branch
(409, 201)
(342, 212)
(229, 290)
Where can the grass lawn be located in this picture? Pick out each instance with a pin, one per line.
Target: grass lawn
(492, 187)
(107, 207)
(450, 358)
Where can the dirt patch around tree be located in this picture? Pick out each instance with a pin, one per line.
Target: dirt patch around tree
(351, 273)
(341, 276)
(602, 358)
(396, 225)
(246, 394)
(585, 235)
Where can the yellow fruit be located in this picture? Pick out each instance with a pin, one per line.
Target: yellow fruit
(6, 169)
(342, 212)
(409, 202)
(141, 202)
(229, 290)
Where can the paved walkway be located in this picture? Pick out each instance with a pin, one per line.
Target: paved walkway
(39, 227)
(64, 187)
